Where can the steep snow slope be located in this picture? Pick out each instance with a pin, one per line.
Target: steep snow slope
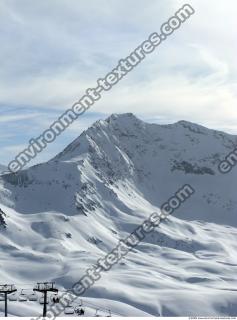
(124, 156)
(64, 214)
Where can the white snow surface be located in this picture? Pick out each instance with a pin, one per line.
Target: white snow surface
(63, 215)
(2, 168)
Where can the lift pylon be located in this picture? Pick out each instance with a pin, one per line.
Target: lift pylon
(7, 289)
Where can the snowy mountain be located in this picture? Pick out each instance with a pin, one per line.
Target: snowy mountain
(63, 215)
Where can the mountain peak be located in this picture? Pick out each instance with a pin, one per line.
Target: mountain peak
(125, 129)
(121, 116)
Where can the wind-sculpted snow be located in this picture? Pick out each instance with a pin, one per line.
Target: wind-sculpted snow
(188, 264)
(63, 215)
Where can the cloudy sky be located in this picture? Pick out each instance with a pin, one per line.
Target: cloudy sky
(53, 50)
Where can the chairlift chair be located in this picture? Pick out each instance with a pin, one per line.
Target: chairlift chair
(22, 297)
(13, 297)
(80, 303)
(55, 298)
(79, 311)
(33, 297)
(69, 310)
(41, 300)
(97, 313)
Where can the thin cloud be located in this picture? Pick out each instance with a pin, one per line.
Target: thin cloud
(54, 50)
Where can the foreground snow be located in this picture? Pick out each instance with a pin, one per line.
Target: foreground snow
(183, 268)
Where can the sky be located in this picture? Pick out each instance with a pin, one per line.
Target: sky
(53, 50)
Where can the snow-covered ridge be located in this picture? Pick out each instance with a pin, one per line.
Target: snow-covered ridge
(124, 153)
(74, 209)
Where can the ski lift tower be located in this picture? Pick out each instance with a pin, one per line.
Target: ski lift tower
(7, 289)
(45, 287)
